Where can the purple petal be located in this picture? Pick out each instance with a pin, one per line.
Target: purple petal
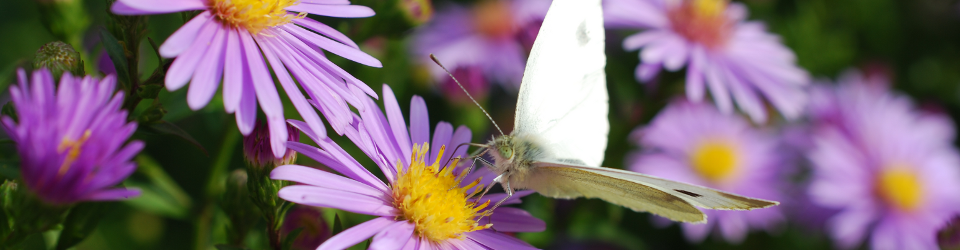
(397, 124)
(320, 178)
(247, 110)
(346, 167)
(207, 77)
(419, 121)
(233, 73)
(647, 71)
(165, 6)
(509, 219)
(746, 99)
(267, 94)
(441, 138)
(494, 240)
(335, 47)
(695, 86)
(392, 236)
(181, 40)
(339, 199)
(356, 234)
(309, 115)
(325, 30)
(637, 41)
(333, 10)
(718, 89)
(113, 194)
(184, 66)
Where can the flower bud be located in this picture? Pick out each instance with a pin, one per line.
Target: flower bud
(58, 57)
(259, 154)
(315, 229)
(239, 208)
(416, 12)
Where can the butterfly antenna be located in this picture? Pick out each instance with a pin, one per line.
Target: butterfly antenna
(468, 93)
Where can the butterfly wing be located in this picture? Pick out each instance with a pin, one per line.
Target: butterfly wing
(563, 96)
(670, 199)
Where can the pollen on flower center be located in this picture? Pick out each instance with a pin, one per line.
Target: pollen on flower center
(900, 188)
(702, 21)
(434, 201)
(72, 147)
(715, 160)
(493, 19)
(253, 15)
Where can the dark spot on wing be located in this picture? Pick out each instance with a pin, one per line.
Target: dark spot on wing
(692, 194)
(582, 37)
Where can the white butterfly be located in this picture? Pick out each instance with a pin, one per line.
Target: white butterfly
(560, 130)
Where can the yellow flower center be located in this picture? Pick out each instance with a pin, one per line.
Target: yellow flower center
(72, 147)
(434, 201)
(715, 160)
(702, 21)
(493, 18)
(253, 15)
(900, 188)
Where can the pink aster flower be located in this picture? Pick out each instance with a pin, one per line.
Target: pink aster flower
(235, 40)
(697, 144)
(722, 52)
(72, 138)
(492, 35)
(889, 169)
(424, 203)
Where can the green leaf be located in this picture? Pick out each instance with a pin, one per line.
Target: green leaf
(228, 247)
(337, 225)
(81, 222)
(9, 110)
(162, 195)
(164, 127)
(291, 237)
(117, 55)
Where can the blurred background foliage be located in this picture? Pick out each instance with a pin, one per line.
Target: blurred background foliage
(913, 41)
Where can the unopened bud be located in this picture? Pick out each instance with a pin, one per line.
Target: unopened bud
(258, 152)
(416, 12)
(315, 228)
(59, 57)
(239, 208)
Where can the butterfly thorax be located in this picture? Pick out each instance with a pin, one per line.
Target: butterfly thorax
(514, 157)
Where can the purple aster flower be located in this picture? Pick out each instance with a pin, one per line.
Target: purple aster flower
(424, 204)
(235, 40)
(697, 144)
(890, 170)
(72, 138)
(721, 50)
(491, 35)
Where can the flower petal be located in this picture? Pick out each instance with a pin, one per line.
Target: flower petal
(495, 240)
(356, 234)
(419, 121)
(183, 38)
(392, 236)
(333, 10)
(339, 199)
(320, 178)
(233, 73)
(509, 219)
(184, 66)
(325, 30)
(209, 72)
(165, 6)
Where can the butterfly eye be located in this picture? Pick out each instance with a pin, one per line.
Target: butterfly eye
(506, 152)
